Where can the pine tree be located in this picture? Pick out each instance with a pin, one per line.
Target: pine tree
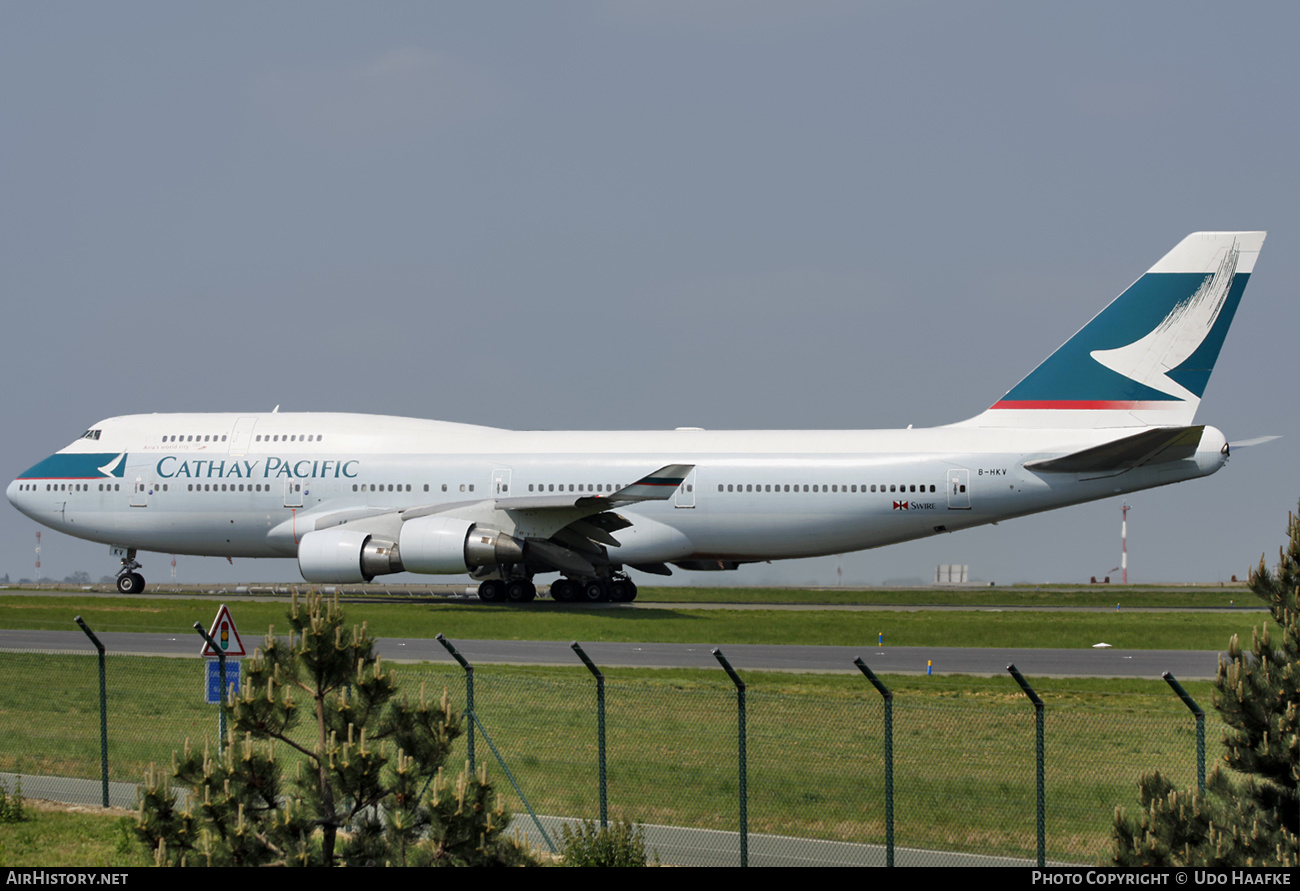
(1250, 813)
(368, 784)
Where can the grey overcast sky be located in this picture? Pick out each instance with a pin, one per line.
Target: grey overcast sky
(643, 215)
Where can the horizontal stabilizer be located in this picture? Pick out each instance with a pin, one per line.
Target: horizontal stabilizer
(1152, 446)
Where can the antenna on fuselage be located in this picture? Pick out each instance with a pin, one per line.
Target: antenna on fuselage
(275, 410)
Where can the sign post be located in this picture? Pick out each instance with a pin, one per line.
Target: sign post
(220, 644)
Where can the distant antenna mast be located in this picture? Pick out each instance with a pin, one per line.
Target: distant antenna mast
(38, 556)
(1123, 541)
(173, 569)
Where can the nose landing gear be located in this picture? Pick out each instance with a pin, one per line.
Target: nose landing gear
(128, 580)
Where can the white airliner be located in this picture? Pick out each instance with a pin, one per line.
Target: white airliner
(357, 496)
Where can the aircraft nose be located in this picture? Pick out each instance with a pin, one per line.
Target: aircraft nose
(14, 493)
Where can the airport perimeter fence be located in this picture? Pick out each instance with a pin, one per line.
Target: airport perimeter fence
(815, 789)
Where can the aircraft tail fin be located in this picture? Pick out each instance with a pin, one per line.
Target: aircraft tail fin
(1145, 359)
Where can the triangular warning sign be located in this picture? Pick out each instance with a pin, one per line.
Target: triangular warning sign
(223, 631)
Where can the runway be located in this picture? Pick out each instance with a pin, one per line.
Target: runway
(1058, 663)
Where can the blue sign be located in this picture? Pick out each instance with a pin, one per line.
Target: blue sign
(214, 679)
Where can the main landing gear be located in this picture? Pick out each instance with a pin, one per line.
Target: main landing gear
(615, 590)
(619, 589)
(507, 590)
(128, 580)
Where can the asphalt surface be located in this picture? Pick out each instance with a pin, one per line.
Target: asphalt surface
(672, 845)
(1105, 663)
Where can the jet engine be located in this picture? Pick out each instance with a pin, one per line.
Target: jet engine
(449, 546)
(432, 545)
(344, 556)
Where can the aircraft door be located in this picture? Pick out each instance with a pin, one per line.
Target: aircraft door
(139, 477)
(959, 489)
(685, 494)
(501, 483)
(241, 436)
(293, 493)
(139, 492)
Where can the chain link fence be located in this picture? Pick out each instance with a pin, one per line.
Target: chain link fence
(812, 788)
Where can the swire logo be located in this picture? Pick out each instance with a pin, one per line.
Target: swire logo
(900, 505)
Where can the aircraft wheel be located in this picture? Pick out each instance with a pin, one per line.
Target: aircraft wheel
(130, 583)
(595, 592)
(564, 591)
(520, 591)
(631, 591)
(491, 591)
(621, 591)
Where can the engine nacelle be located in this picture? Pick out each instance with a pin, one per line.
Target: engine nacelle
(449, 546)
(343, 556)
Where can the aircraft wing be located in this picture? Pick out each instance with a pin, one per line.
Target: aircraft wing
(1154, 446)
(657, 486)
(568, 532)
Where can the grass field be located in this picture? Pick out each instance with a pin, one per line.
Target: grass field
(964, 771)
(1224, 595)
(964, 747)
(1200, 597)
(70, 836)
(1064, 629)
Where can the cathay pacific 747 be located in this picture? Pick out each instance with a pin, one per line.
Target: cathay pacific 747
(352, 497)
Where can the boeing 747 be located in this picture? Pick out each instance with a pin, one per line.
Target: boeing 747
(353, 497)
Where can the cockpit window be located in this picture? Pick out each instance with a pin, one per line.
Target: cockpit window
(91, 434)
